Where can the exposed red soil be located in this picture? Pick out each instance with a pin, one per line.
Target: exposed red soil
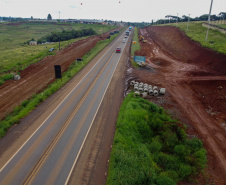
(38, 76)
(195, 81)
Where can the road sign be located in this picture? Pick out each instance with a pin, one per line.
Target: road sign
(57, 71)
(79, 59)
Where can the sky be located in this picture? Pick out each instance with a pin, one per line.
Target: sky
(116, 10)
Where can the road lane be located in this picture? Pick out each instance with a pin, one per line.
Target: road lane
(20, 166)
(68, 146)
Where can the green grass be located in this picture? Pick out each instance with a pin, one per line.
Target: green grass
(136, 46)
(216, 40)
(150, 148)
(15, 55)
(222, 25)
(28, 105)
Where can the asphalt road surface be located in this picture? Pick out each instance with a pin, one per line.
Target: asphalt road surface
(51, 152)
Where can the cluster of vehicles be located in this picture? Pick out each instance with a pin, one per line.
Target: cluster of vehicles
(118, 50)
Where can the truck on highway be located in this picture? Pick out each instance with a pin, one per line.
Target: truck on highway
(127, 33)
(130, 28)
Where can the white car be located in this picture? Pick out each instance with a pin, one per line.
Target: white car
(124, 40)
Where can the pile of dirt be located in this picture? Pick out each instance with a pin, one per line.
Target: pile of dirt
(195, 82)
(39, 75)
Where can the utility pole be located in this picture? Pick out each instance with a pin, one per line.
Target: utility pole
(59, 15)
(59, 43)
(209, 19)
(188, 21)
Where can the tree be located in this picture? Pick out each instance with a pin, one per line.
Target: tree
(49, 17)
(31, 17)
(223, 15)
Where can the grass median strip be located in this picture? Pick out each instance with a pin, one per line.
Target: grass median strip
(28, 105)
(135, 47)
(151, 148)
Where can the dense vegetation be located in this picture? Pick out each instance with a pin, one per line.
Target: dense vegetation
(66, 35)
(151, 148)
(28, 105)
(135, 47)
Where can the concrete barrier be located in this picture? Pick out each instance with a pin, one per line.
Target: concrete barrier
(162, 91)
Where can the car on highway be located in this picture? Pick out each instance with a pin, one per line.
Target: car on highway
(126, 36)
(124, 40)
(118, 50)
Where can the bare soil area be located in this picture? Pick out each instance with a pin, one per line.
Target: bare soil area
(195, 81)
(38, 76)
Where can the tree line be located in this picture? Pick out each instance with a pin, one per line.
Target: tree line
(185, 18)
(66, 35)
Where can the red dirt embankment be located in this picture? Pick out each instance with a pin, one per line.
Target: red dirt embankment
(39, 75)
(195, 81)
(178, 45)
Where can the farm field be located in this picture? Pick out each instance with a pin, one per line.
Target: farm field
(38, 76)
(15, 55)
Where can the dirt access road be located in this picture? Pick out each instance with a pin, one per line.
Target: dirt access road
(195, 81)
(38, 76)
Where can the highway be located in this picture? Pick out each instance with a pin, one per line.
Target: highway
(51, 152)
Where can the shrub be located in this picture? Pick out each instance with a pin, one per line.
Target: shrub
(156, 124)
(1, 81)
(184, 170)
(164, 180)
(182, 151)
(195, 144)
(7, 77)
(24, 103)
(171, 174)
(155, 146)
(170, 140)
(153, 107)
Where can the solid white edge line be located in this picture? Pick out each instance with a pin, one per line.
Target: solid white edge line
(51, 113)
(68, 178)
